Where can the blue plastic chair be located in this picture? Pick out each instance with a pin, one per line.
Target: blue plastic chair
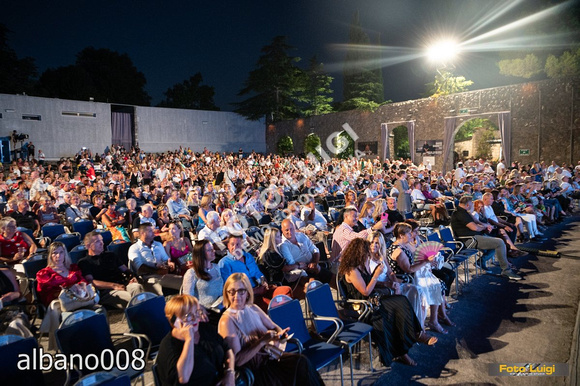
(146, 319)
(121, 249)
(52, 231)
(328, 323)
(83, 227)
(11, 348)
(70, 240)
(78, 253)
(86, 332)
(106, 235)
(102, 378)
(320, 354)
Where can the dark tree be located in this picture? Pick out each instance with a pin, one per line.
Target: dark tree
(273, 86)
(190, 94)
(362, 87)
(105, 75)
(16, 75)
(317, 90)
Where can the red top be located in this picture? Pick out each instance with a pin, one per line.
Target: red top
(9, 247)
(50, 283)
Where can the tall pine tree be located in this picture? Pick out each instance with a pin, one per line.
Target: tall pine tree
(317, 90)
(274, 85)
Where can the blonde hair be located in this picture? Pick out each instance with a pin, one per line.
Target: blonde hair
(53, 246)
(179, 305)
(382, 245)
(379, 208)
(205, 201)
(269, 242)
(367, 205)
(4, 223)
(234, 278)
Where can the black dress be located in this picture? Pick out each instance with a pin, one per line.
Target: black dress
(209, 356)
(395, 325)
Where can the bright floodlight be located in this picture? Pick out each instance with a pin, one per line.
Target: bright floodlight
(443, 51)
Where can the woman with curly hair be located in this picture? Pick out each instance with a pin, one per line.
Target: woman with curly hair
(395, 325)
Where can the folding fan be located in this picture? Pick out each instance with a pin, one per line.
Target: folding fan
(427, 250)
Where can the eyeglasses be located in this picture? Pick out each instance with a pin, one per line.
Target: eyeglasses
(233, 292)
(192, 316)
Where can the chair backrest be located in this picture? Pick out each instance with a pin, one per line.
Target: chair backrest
(102, 378)
(52, 231)
(447, 238)
(106, 235)
(83, 227)
(29, 232)
(84, 332)
(155, 372)
(148, 317)
(11, 349)
(31, 267)
(278, 300)
(140, 298)
(289, 314)
(320, 303)
(433, 237)
(121, 249)
(70, 240)
(78, 253)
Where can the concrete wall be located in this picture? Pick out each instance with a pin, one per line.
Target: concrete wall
(545, 119)
(157, 129)
(160, 129)
(56, 134)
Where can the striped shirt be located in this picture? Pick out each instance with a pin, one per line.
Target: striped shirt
(342, 236)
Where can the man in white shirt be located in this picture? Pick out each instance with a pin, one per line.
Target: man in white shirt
(210, 231)
(150, 261)
(300, 253)
(500, 169)
(312, 216)
(459, 172)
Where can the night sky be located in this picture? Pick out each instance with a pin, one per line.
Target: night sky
(171, 40)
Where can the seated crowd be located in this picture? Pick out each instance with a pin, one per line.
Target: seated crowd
(230, 232)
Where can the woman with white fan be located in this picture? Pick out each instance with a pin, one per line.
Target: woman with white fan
(403, 260)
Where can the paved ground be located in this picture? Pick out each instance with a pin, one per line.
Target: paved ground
(498, 321)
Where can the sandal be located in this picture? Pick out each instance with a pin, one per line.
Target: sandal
(437, 328)
(426, 339)
(446, 321)
(406, 360)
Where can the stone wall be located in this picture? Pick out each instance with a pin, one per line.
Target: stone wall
(545, 119)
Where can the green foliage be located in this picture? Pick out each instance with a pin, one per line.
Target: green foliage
(317, 90)
(568, 64)
(363, 86)
(105, 75)
(526, 67)
(401, 142)
(311, 143)
(190, 94)
(344, 142)
(483, 147)
(466, 131)
(274, 85)
(445, 83)
(285, 145)
(16, 75)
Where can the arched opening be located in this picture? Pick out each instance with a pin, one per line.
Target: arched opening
(477, 138)
(401, 148)
(285, 145)
(345, 144)
(311, 143)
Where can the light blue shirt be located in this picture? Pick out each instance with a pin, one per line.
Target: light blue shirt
(177, 207)
(229, 265)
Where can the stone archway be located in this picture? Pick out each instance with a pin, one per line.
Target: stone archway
(387, 128)
(503, 119)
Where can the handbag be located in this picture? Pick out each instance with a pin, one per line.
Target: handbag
(377, 295)
(80, 295)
